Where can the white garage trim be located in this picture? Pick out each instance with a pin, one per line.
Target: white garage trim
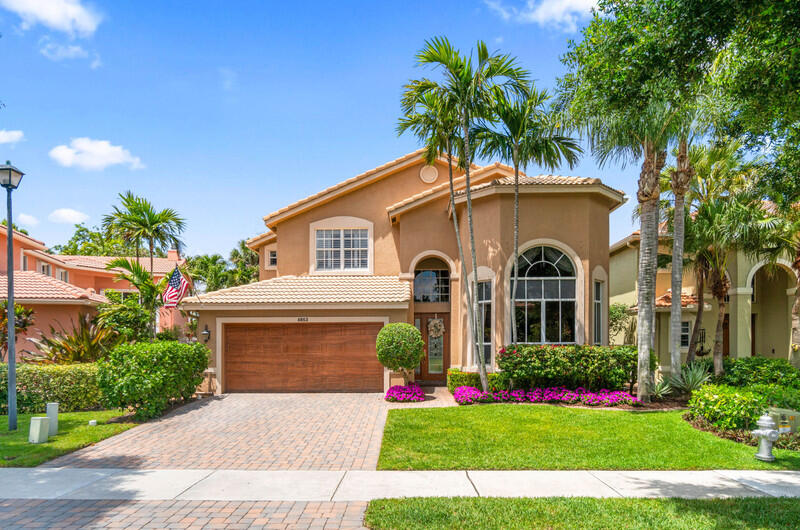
(220, 321)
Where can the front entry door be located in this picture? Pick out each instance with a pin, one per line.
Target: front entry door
(435, 330)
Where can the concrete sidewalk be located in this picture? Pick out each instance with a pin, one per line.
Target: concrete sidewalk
(348, 486)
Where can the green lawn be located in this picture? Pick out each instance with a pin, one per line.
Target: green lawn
(74, 433)
(508, 436)
(661, 514)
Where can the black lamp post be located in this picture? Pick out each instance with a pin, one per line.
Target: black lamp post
(10, 178)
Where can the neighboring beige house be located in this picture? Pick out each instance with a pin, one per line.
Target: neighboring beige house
(380, 247)
(758, 313)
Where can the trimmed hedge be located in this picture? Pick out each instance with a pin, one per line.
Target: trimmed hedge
(399, 346)
(572, 366)
(728, 407)
(148, 376)
(779, 396)
(457, 378)
(73, 386)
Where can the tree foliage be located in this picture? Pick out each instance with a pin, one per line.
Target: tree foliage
(23, 319)
(95, 241)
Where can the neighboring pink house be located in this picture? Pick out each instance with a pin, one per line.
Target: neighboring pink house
(60, 288)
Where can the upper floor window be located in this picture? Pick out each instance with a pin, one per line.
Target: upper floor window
(46, 269)
(344, 249)
(273, 258)
(63, 275)
(545, 300)
(24, 262)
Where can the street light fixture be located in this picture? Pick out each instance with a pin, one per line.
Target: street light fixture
(10, 178)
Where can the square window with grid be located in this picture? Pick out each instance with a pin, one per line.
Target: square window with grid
(685, 333)
(273, 258)
(431, 286)
(342, 249)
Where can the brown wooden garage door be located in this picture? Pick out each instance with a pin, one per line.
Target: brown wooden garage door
(302, 357)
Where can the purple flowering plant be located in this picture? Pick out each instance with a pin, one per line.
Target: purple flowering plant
(468, 395)
(405, 393)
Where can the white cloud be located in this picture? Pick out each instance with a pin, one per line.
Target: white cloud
(227, 79)
(67, 216)
(96, 62)
(59, 52)
(10, 137)
(28, 220)
(559, 14)
(68, 16)
(87, 153)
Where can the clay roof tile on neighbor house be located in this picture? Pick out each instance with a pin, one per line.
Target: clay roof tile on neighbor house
(687, 300)
(160, 265)
(31, 286)
(309, 290)
(543, 180)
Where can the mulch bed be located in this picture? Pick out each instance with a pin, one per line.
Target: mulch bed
(785, 441)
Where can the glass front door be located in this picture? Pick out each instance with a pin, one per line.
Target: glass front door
(435, 330)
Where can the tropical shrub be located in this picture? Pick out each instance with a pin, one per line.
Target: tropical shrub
(760, 371)
(86, 343)
(173, 333)
(468, 395)
(573, 366)
(404, 394)
(661, 389)
(126, 316)
(457, 378)
(399, 346)
(73, 386)
(727, 407)
(23, 319)
(148, 377)
(692, 377)
(779, 396)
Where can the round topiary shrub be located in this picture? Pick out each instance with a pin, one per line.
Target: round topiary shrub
(400, 347)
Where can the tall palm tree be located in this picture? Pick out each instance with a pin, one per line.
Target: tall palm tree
(632, 134)
(468, 83)
(720, 227)
(524, 133)
(430, 116)
(142, 280)
(715, 170)
(137, 219)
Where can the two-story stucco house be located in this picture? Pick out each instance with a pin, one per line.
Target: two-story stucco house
(380, 247)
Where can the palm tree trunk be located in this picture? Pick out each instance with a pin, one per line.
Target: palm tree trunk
(512, 312)
(795, 345)
(646, 297)
(474, 308)
(698, 322)
(464, 276)
(718, 337)
(153, 278)
(677, 286)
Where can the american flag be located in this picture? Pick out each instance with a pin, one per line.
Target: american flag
(176, 289)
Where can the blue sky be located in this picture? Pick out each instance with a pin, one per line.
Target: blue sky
(227, 114)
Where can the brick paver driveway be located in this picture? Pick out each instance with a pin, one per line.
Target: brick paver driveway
(254, 431)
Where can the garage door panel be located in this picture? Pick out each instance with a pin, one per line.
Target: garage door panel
(302, 357)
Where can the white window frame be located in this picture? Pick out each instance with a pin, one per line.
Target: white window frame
(268, 252)
(24, 262)
(63, 275)
(597, 306)
(481, 309)
(687, 333)
(45, 266)
(340, 223)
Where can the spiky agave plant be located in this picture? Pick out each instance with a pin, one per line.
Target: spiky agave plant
(85, 343)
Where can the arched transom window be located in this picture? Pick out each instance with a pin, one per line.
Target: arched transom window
(545, 301)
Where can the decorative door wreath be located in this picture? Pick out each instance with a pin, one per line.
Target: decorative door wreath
(435, 328)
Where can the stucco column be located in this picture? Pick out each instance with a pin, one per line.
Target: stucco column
(740, 312)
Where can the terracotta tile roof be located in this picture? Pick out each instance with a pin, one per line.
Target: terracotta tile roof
(160, 265)
(31, 285)
(261, 239)
(311, 290)
(542, 180)
(26, 237)
(665, 300)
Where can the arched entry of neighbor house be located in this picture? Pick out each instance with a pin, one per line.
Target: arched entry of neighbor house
(432, 276)
(771, 297)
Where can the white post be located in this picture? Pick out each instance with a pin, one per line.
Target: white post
(52, 414)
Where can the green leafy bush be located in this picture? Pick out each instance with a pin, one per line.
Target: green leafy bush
(457, 378)
(73, 386)
(760, 371)
(173, 333)
(399, 346)
(573, 366)
(126, 316)
(779, 396)
(727, 407)
(148, 377)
